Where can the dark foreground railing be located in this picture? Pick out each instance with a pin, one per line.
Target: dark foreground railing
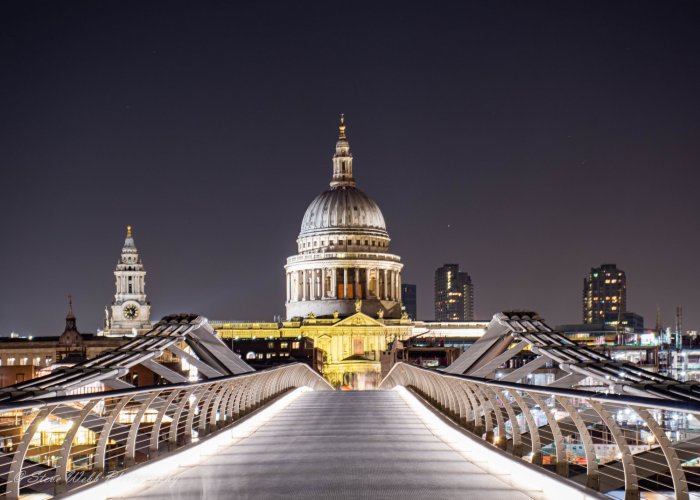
(53, 445)
(608, 443)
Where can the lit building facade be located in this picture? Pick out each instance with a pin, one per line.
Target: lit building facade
(454, 294)
(24, 358)
(351, 347)
(604, 295)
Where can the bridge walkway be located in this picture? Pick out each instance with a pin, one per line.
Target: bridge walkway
(338, 445)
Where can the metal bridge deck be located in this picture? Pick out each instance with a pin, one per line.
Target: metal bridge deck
(337, 445)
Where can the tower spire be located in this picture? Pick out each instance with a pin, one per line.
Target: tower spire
(70, 307)
(70, 319)
(130, 308)
(342, 159)
(341, 127)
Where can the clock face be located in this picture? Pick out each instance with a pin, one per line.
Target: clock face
(131, 311)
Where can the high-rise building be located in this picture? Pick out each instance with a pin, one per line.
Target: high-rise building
(410, 299)
(454, 294)
(604, 295)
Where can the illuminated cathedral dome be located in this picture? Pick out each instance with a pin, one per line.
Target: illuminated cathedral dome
(343, 208)
(343, 264)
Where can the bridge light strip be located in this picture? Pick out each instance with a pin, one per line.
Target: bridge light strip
(522, 476)
(142, 477)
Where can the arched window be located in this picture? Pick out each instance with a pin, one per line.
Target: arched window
(250, 355)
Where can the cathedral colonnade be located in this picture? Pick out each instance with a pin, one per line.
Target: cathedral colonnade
(343, 282)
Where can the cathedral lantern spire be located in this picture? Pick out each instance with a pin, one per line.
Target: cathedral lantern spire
(342, 160)
(341, 136)
(129, 240)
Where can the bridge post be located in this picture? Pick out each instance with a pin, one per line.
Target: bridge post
(517, 447)
(14, 476)
(562, 466)
(680, 484)
(532, 427)
(477, 417)
(130, 452)
(488, 422)
(221, 406)
(502, 440)
(192, 412)
(468, 420)
(175, 422)
(628, 468)
(103, 440)
(154, 441)
(204, 427)
(61, 483)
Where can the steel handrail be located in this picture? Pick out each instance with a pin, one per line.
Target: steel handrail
(125, 427)
(73, 398)
(631, 443)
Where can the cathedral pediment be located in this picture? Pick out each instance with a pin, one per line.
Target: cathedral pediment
(358, 319)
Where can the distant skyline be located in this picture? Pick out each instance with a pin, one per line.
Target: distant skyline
(527, 142)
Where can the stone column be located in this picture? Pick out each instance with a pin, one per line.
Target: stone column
(377, 290)
(356, 284)
(312, 284)
(323, 283)
(386, 290)
(334, 283)
(345, 282)
(303, 286)
(366, 282)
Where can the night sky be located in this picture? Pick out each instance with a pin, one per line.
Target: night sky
(526, 141)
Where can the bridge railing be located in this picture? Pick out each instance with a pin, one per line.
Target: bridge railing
(53, 445)
(609, 443)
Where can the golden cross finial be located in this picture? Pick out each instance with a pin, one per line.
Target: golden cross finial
(342, 126)
(128, 231)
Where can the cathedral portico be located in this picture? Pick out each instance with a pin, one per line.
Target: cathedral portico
(343, 250)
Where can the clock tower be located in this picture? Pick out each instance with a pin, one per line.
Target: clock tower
(130, 308)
